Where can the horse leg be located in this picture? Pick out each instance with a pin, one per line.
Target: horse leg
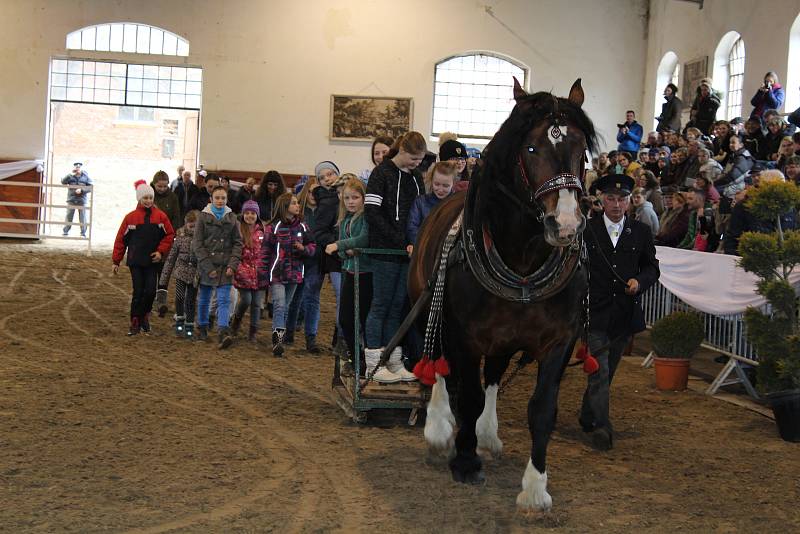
(466, 467)
(486, 426)
(542, 411)
(439, 422)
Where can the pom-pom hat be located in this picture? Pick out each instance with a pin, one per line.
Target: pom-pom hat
(143, 189)
(251, 205)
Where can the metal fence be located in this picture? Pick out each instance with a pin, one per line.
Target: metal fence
(45, 206)
(723, 333)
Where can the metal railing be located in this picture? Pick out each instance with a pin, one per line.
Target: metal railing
(45, 208)
(724, 334)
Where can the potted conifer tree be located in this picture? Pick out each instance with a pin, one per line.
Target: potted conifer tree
(675, 338)
(776, 334)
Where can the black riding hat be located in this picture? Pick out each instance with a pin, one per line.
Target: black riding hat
(617, 184)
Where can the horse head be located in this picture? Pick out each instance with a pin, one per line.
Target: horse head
(546, 139)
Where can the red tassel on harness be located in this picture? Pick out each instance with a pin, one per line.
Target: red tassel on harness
(441, 367)
(419, 369)
(590, 364)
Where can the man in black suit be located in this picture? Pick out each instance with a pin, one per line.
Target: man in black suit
(622, 265)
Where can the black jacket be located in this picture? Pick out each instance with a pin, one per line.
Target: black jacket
(390, 194)
(611, 310)
(200, 200)
(185, 194)
(705, 112)
(742, 220)
(670, 117)
(324, 228)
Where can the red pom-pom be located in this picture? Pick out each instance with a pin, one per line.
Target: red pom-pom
(441, 366)
(583, 352)
(419, 369)
(590, 365)
(428, 374)
(137, 183)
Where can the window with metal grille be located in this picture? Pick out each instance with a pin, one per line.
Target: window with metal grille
(735, 79)
(473, 94)
(128, 37)
(170, 126)
(137, 114)
(108, 82)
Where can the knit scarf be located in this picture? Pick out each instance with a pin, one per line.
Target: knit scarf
(218, 212)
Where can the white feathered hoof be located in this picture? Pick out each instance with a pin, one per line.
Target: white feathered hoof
(489, 445)
(440, 422)
(534, 496)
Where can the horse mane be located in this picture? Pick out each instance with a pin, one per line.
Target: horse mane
(502, 150)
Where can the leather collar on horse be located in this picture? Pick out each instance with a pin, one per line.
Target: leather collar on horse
(491, 271)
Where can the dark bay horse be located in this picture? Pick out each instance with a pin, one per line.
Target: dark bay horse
(515, 281)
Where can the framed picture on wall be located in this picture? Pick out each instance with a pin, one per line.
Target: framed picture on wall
(693, 72)
(362, 118)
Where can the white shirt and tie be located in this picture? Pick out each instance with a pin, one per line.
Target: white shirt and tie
(614, 229)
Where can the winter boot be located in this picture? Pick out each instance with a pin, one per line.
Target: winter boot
(395, 365)
(188, 331)
(277, 342)
(211, 322)
(311, 344)
(179, 326)
(382, 375)
(202, 332)
(236, 322)
(161, 301)
(134, 328)
(288, 337)
(225, 339)
(251, 334)
(346, 364)
(145, 323)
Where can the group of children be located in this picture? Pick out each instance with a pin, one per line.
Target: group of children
(288, 252)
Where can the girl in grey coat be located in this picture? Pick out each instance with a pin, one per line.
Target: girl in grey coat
(217, 245)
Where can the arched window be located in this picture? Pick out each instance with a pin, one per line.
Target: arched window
(128, 37)
(473, 94)
(724, 68)
(676, 75)
(668, 72)
(735, 79)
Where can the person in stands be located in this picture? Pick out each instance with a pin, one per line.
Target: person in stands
(146, 234)
(704, 108)
(271, 187)
(629, 134)
(380, 147)
(670, 118)
(769, 96)
(674, 222)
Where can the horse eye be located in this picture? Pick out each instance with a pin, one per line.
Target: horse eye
(531, 149)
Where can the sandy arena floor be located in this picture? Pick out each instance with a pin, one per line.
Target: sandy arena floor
(104, 433)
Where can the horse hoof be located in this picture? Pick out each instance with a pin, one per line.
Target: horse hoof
(473, 478)
(602, 440)
(538, 502)
(490, 447)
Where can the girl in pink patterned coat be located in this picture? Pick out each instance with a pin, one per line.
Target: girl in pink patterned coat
(250, 279)
(288, 242)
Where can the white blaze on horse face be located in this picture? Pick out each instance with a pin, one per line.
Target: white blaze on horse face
(534, 494)
(567, 215)
(486, 426)
(440, 423)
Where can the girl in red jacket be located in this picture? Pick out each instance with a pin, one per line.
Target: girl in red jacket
(251, 277)
(147, 235)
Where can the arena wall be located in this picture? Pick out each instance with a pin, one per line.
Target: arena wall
(691, 33)
(270, 66)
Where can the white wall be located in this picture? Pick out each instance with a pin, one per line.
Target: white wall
(692, 33)
(270, 66)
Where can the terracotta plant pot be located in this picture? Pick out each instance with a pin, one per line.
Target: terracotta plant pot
(672, 374)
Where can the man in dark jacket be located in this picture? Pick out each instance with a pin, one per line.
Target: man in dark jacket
(622, 265)
(185, 189)
(704, 108)
(630, 134)
(670, 118)
(76, 196)
(202, 198)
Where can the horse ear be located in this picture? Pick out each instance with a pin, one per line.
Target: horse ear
(576, 93)
(519, 92)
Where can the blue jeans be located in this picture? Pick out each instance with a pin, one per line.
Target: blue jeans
(389, 282)
(223, 294)
(252, 299)
(281, 296)
(306, 297)
(71, 216)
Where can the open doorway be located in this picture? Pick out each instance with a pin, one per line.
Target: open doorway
(123, 122)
